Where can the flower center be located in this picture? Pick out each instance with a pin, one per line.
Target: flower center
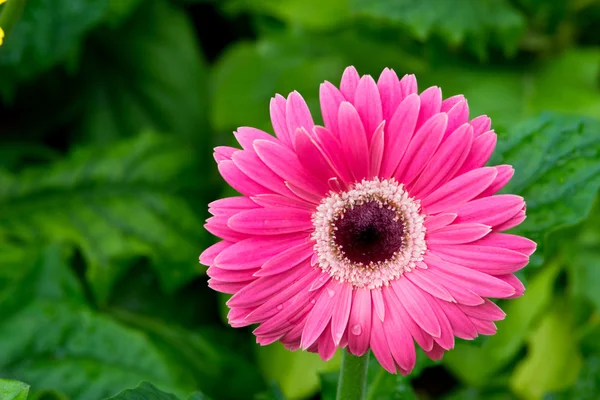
(369, 235)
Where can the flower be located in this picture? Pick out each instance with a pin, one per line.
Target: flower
(379, 229)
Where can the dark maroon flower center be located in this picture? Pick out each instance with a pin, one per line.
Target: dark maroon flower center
(369, 233)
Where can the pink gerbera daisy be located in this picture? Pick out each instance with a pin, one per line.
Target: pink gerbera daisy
(379, 229)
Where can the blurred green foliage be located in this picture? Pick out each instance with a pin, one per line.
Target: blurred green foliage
(108, 113)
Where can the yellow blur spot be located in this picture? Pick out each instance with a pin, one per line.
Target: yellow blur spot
(2, 1)
(1, 32)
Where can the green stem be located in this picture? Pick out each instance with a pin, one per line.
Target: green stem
(11, 14)
(353, 377)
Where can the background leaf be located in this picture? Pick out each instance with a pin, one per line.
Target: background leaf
(558, 164)
(13, 390)
(114, 204)
(145, 391)
(130, 82)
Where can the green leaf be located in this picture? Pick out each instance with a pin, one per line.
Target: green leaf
(479, 22)
(145, 391)
(587, 386)
(48, 31)
(113, 203)
(119, 10)
(148, 74)
(509, 95)
(539, 373)
(296, 373)
(293, 61)
(330, 13)
(55, 342)
(13, 390)
(477, 365)
(557, 164)
(205, 357)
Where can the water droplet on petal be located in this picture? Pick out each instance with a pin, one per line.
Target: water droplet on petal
(330, 292)
(313, 301)
(280, 307)
(356, 329)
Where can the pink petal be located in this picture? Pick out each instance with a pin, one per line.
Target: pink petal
(458, 233)
(305, 195)
(278, 316)
(297, 114)
(252, 252)
(398, 134)
(270, 221)
(484, 327)
(477, 282)
(218, 227)
(421, 148)
(461, 324)
(377, 149)
(285, 304)
(457, 116)
(359, 324)
(276, 201)
(444, 164)
(238, 180)
(436, 353)
(286, 259)
(277, 108)
(486, 311)
(251, 165)
(230, 275)
(511, 223)
(434, 222)
(390, 92)
(236, 316)
(378, 303)
(416, 305)
(380, 346)
(446, 337)
(457, 290)
(492, 210)
(326, 345)
(515, 283)
(223, 153)
(423, 339)
(321, 314)
(508, 241)
(451, 102)
(481, 124)
(312, 157)
(330, 98)
(226, 287)
(231, 205)
(505, 173)
(492, 260)
(332, 148)
(368, 104)
(208, 256)
(285, 163)
(353, 140)
(408, 85)
(350, 79)
(431, 104)
(341, 312)
(459, 190)
(481, 151)
(428, 285)
(398, 338)
(263, 288)
(246, 137)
